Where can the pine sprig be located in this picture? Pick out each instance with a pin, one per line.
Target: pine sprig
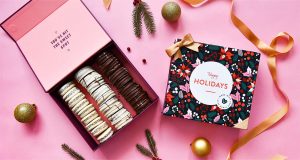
(151, 142)
(152, 152)
(148, 17)
(137, 20)
(144, 151)
(71, 152)
(142, 11)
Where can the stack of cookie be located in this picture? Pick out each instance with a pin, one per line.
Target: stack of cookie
(105, 97)
(81, 107)
(122, 80)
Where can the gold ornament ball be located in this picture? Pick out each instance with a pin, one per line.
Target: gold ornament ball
(25, 112)
(201, 147)
(171, 11)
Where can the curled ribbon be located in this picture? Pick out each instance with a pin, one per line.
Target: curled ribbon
(107, 3)
(271, 52)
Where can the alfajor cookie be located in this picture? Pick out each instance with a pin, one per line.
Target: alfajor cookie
(111, 111)
(95, 85)
(75, 99)
(117, 119)
(125, 88)
(123, 122)
(89, 117)
(117, 114)
(103, 57)
(86, 110)
(101, 90)
(99, 129)
(94, 123)
(120, 72)
(90, 78)
(138, 97)
(107, 95)
(80, 105)
(112, 102)
(70, 94)
(83, 72)
(134, 90)
(62, 88)
(141, 105)
(123, 81)
(105, 135)
(65, 88)
(112, 67)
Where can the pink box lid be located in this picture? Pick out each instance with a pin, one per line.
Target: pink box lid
(55, 37)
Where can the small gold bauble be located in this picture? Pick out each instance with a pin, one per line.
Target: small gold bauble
(25, 112)
(201, 147)
(171, 11)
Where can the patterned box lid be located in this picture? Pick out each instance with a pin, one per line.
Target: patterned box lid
(214, 85)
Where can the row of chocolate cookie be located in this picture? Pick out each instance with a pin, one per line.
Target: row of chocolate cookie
(81, 107)
(105, 97)
(122, 80)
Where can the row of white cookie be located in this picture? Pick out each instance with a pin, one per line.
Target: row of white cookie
(85, 110)
(105, 97)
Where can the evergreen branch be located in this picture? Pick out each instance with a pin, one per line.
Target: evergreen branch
(151, 142)
(144, 151)
(71, 152)
(148, 17)
(137, 20)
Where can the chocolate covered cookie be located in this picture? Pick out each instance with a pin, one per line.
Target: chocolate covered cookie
(122, 80)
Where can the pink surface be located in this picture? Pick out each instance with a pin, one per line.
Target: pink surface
(210, 24)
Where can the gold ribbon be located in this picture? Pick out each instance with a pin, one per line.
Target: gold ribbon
(187, 41)
(272, 53)
(107, 3)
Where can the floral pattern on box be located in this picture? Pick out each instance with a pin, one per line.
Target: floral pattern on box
(243, 66)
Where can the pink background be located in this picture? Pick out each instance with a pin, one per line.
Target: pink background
(209, 23)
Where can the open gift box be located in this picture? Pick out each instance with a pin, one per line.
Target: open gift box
(58, 38)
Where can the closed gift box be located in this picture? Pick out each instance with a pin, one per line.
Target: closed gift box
(212, 84)
(57, 38)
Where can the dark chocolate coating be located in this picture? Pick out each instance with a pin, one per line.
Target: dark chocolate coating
(122, 80)
(103, 57)
(121, 76)
(112, 67)
(141, 95)
(136, 93)
(130, 91)
(139, 107)
(124, 90)
(106, 64)
(114, 74)
(113, 78)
